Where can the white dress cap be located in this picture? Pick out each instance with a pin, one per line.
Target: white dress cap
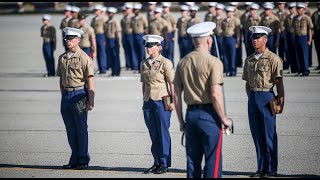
(75, 9)
(72, 31)
(220, 6)
(292, 4)
(153, 38)
(137, 6)
(268, 5)
(98, 7)
(153, 3)
(46, 16)
(201, 29)
(190, 3)
(123, 8)
(194, 8)
(158, 10)
(212, 4)
(260, 30)
(229, 8)
(67, 8)
(184, 7)
(248, 3)
(128, 5)
(112, 9)
(166, 4)
(233, 3)
(281, 2)
(104, 9)
(255, 6)
(301, 4)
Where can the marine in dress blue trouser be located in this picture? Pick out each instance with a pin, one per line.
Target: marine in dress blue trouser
(271, 43)
(157, 120)
(302, 53)
(263, 129)
(282, 49)
(229, 54)
(139, 49)
(183, 46)
(113, 56)
(203, 137)
(168, 53)
(291, 55)
(76, 126)
(47, 49)
(101, 53)
(131, 61)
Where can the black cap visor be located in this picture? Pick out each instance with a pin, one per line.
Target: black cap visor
(69, 37)
(257, 35)
(151, 44)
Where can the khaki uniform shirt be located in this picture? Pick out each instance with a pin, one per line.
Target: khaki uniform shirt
(139, 24)
(301, 27)
(252, 21)
(218, 20)
(73, 23)
(308, 12)
(182, 26)
(272, 22)
(64, 22)
(209, 16)
(126, 24)
(196, 73)
(158, 27)
(150, 16)
(48, 33)
(97, 24)
(230, 26)
(262, 72)
(171, 21)
(282, 16)
(87, 36)
(74, 72)
(288, 26)
(111, 27)
(155, 77)
(316, 20)
(193, 21)
(244, 20)
(237, 14)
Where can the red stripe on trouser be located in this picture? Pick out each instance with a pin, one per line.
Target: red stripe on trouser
(217, 164)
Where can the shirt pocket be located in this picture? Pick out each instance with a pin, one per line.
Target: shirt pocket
(75, 64)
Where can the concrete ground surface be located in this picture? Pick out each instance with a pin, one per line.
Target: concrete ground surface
(33, 141)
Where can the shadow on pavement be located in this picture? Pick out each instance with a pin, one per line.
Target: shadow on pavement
(133, 169)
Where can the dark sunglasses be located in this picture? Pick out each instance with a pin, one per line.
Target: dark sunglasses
(69, 37)
(257, 35)
(150, 44)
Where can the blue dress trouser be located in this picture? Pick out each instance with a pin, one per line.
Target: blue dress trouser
(157, 120)
(291, 58)
(239, 53)
(249, 48)
(317, 44)
(47, 49)
(302, 53)
(101, 53)
(76, 126)
(271, 44)
(168, 53)
(139, 49)
(131, 60)
(87, 51)
(263, 129)
(190, 45)
(203, 137)
(229, 54)
(183, 46)
(310, 53)
(113, 56)
(282, 49)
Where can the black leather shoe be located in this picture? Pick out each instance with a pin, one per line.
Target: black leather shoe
(269, 175)
(256, 174)
(69, 166)
(161, 170)
(82, 166)
(152, 169)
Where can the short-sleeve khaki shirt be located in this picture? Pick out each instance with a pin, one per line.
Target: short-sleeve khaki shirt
(73, 23)
(97, 24)
(271, 22)
(87, 36)
(252, 21)
(64, 23)
(282, 16)
(155, 77)
(262, 72)
(126, 24)
(193, 21)
(182, 26)
(288, 26)
(171, 21)
(196, 73)
(301, 27)
(111, 27)
(74, 72)
(230, 26)
(218, 20)
(158, 27)
(139, 24)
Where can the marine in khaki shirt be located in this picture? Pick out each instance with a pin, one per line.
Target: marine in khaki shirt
(97, 23)
(155, 76)
(74, 70)
(139, 24)
(302, 25)
(112, 28)
(159, 26)
(125, 23)
(282, 14)
(48, 33)
(261, 73)
(171, 21)
(88, 37)
(182, 25)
